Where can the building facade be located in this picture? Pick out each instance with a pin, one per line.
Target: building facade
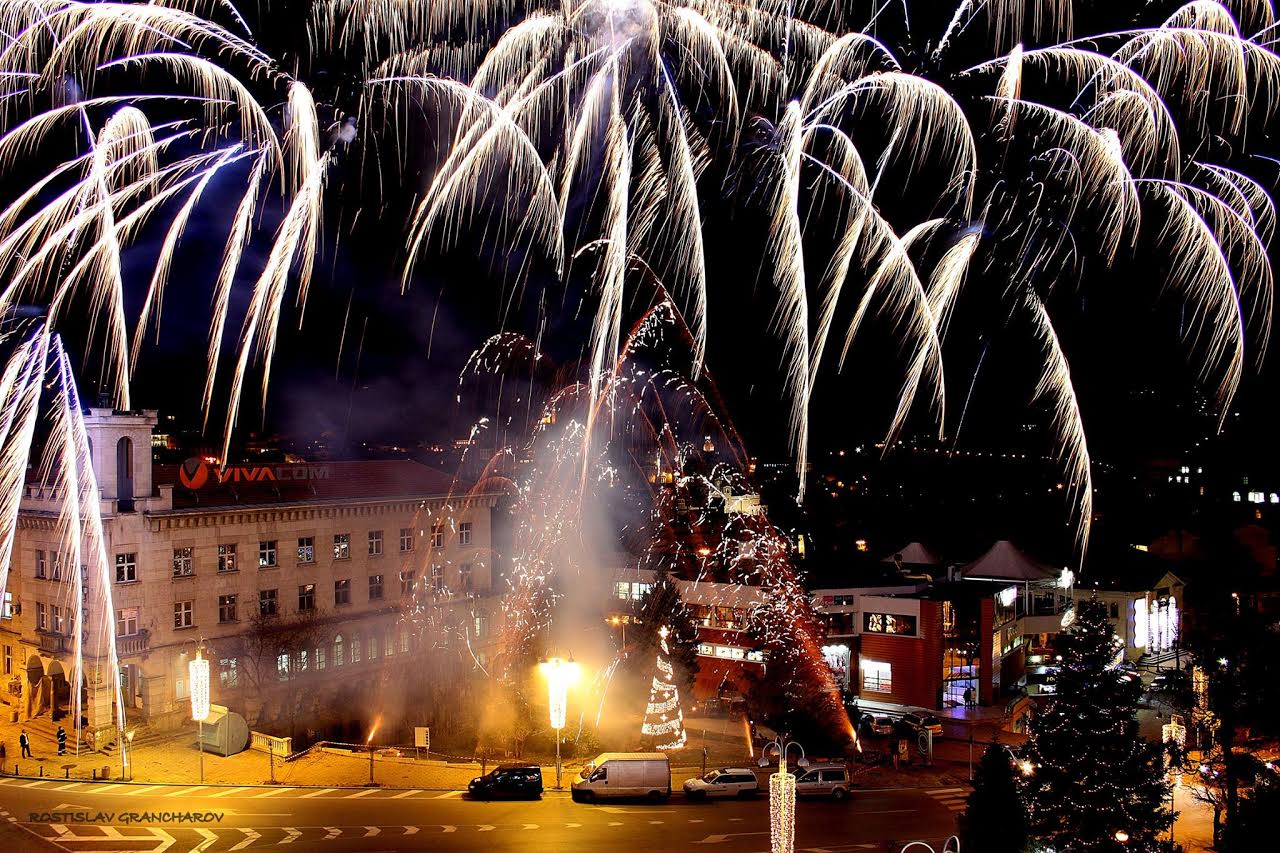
(294, 578)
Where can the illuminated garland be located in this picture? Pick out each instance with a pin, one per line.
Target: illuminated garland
(782, 811)
(664, 698)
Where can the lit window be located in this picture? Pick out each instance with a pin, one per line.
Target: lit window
(877, 676)
(406, 582)
(306, 549)
(375, 587)
(40, 564)
(355, 650)
(227, 558)
(406, 540)
(437, 577)
(282, 666)
(126, 568)
(268, 602)
(342, 591)
(888, 623)
(464, 533)
(183, 614)
(267, 554)
(338, 653)
(42, 621)
(373, 647)
(127, 622)
(183, 562)
(226, 608)
(437, 535)
(307, 596)
(375, 543)
(464, 577)
(341, 546)
(228, 672)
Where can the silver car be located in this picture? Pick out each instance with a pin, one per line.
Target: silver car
(831, 781)
(729, 782)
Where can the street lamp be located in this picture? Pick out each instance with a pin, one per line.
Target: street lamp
(124, 753)
(1122, 836)
(560, 675)
(198, 672)
(782, 796)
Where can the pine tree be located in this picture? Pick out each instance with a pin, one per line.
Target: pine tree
(663, 726)
(995, 819)
(661, 608)
(1092, 775)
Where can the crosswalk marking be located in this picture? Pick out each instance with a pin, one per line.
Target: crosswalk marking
(447, 794)
(272, 792)
(953, 799)
(311, 794)
(134, 791)
(366, 792)
(403, 794)
(228, 791)
(182, 792)
(68, 787)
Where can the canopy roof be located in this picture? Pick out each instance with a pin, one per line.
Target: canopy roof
(1005, 562)
(914, 554)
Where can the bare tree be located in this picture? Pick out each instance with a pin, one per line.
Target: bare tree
(267, 656)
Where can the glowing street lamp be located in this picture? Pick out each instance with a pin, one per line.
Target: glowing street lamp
(198, 674)
(782, 796)
(560, 675)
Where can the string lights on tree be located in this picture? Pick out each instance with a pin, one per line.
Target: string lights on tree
(663, 719)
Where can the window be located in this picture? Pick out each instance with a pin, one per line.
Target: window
(282, 666)
(375, 543)
(127, 622)
(341, 546)
(228, 672)
(464, 577)
(337, 650)
(464, 533)
(42, 621)
(320, 657)
(406, 582)
(226, 608)
(373, 647)
(307, 596)
(375, 587)
(404, 641)
(184, 614)
(57, 565)
(877, 676)
(389, 643)
(1115, 610)
(306, 549)
(355, 650)
(126, 568)
(437, 577)
(55, 614)
(227, 559)
(184, 565)
(342, 591)
(7, 611)
(888, 623)
(481, 625)
(437, 535)
(40, 564)
(268, 602)
(406, 540)
(267, 554)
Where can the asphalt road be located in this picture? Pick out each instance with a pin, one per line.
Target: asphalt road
(86, 817)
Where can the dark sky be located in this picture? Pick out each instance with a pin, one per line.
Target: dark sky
(1120, 331)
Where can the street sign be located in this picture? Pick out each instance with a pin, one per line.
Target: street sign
(422, 737)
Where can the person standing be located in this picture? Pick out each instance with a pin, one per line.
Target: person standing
(25, 743)
(62, 741)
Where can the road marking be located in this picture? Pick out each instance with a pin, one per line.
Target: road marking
(720, 839)
(317, 793)
(447, 794)
(411, 830)
(293, 834)
(334, 832)
(448, 828)
(403, 794)
(371, 831)
(272, 792)
(535, 826)
(223, 793)
(946, 790)
(68, 787)
(250, 836)
(210, 839)
(656, 822)
(615, 823)
(101, 789)
(486, 827)
(133, 791)
(34, 784)
(366, 792)
(572, 825)
(182, 793)
(695, 820)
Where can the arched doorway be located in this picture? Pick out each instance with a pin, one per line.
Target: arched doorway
(124, 474)
(59, 692)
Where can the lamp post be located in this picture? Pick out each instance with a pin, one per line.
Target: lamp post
(560, 675)
(782, 796)
(124, 752)
(198, 672)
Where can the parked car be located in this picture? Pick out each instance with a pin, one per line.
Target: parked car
(878, 725)
(921, 720)
(830, 781)
(729, 782)
(624, 774)
(508, 781)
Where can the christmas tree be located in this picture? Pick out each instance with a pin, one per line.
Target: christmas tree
(1094, 783)
(663, 726)
(995, 819)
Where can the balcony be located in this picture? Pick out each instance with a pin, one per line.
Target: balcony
(54, 644)
(133, 645)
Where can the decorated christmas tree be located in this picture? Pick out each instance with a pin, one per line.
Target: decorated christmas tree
(995, 819)
(663, 726)
(1094, 784)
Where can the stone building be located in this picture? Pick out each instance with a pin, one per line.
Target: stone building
(297, 579)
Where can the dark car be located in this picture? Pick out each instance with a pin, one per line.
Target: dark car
(509, 781)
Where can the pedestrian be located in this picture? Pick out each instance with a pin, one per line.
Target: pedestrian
(62, 741)
(25, 743)
(2, 756)
(968, 697)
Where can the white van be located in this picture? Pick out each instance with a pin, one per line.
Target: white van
(624, 774)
